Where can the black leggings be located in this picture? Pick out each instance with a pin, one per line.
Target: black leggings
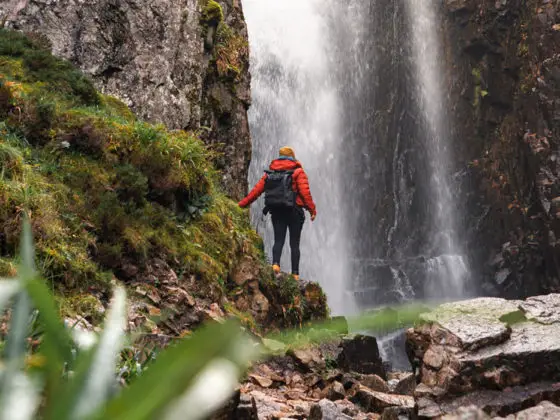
(282, 220)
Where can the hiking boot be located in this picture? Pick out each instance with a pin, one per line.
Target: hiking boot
(296, 277)
(276, 268)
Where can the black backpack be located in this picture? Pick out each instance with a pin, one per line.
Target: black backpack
(278, 190)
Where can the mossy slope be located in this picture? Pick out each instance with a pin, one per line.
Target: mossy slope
(102, 188)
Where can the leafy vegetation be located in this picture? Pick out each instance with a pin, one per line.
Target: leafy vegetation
(102, 188)
(231, 51)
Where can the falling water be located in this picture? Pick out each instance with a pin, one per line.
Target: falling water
(447, 273)
(296, 102)
(357, 88)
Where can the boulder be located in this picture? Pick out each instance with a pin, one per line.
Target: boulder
(488, 343)
(374, 382)
(542, 309)
(361, 354)
(379, 401)
(509, 401)
(308, 358)
(406, 385)
(493, 402)
(327, 410)
(335, 391)
(268, 406)
(262, 381)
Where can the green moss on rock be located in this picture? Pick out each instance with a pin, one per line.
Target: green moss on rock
(212, 13)
(101, 187)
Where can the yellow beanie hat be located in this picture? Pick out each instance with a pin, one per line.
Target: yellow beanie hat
(287, 151)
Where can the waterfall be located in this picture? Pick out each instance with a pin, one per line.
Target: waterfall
(296, 102)
(358, 89)
(448, 272)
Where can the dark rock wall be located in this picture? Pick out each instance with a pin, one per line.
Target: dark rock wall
(505, 79)
(160, 57)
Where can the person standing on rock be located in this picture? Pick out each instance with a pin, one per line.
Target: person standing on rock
(287, 193)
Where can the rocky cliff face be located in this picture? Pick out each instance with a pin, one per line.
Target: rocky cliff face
(505, 78)
(183, 63)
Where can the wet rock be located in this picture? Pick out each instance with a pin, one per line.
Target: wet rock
(308, 358)
(373, 382)
(506, 402)
(488, 343)
(335, 391)
(268, 406)
(327, 410)
(379, 401)
(543, 309)
(467, 413)
(472, 324)
(429, 409)
(261, 380)
(544, 411)
(361, 354)
(406, 385)
(399, 413)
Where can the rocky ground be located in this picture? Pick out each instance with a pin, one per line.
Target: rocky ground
(479, 359)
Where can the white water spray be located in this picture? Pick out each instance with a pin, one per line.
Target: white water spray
(448, 273)
(296, 102)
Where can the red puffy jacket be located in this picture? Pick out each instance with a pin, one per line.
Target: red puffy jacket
(300, 185)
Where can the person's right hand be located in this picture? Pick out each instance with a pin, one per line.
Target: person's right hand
(313, 216)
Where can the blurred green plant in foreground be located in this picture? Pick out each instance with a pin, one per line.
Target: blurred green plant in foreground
(53, 371)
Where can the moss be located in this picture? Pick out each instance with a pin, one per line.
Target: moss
(102, 187)
(40, 65)
(479, 92)
(212, 13)
(84, 305)
(116, 108)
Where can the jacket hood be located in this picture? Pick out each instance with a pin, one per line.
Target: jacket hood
(283, 164)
